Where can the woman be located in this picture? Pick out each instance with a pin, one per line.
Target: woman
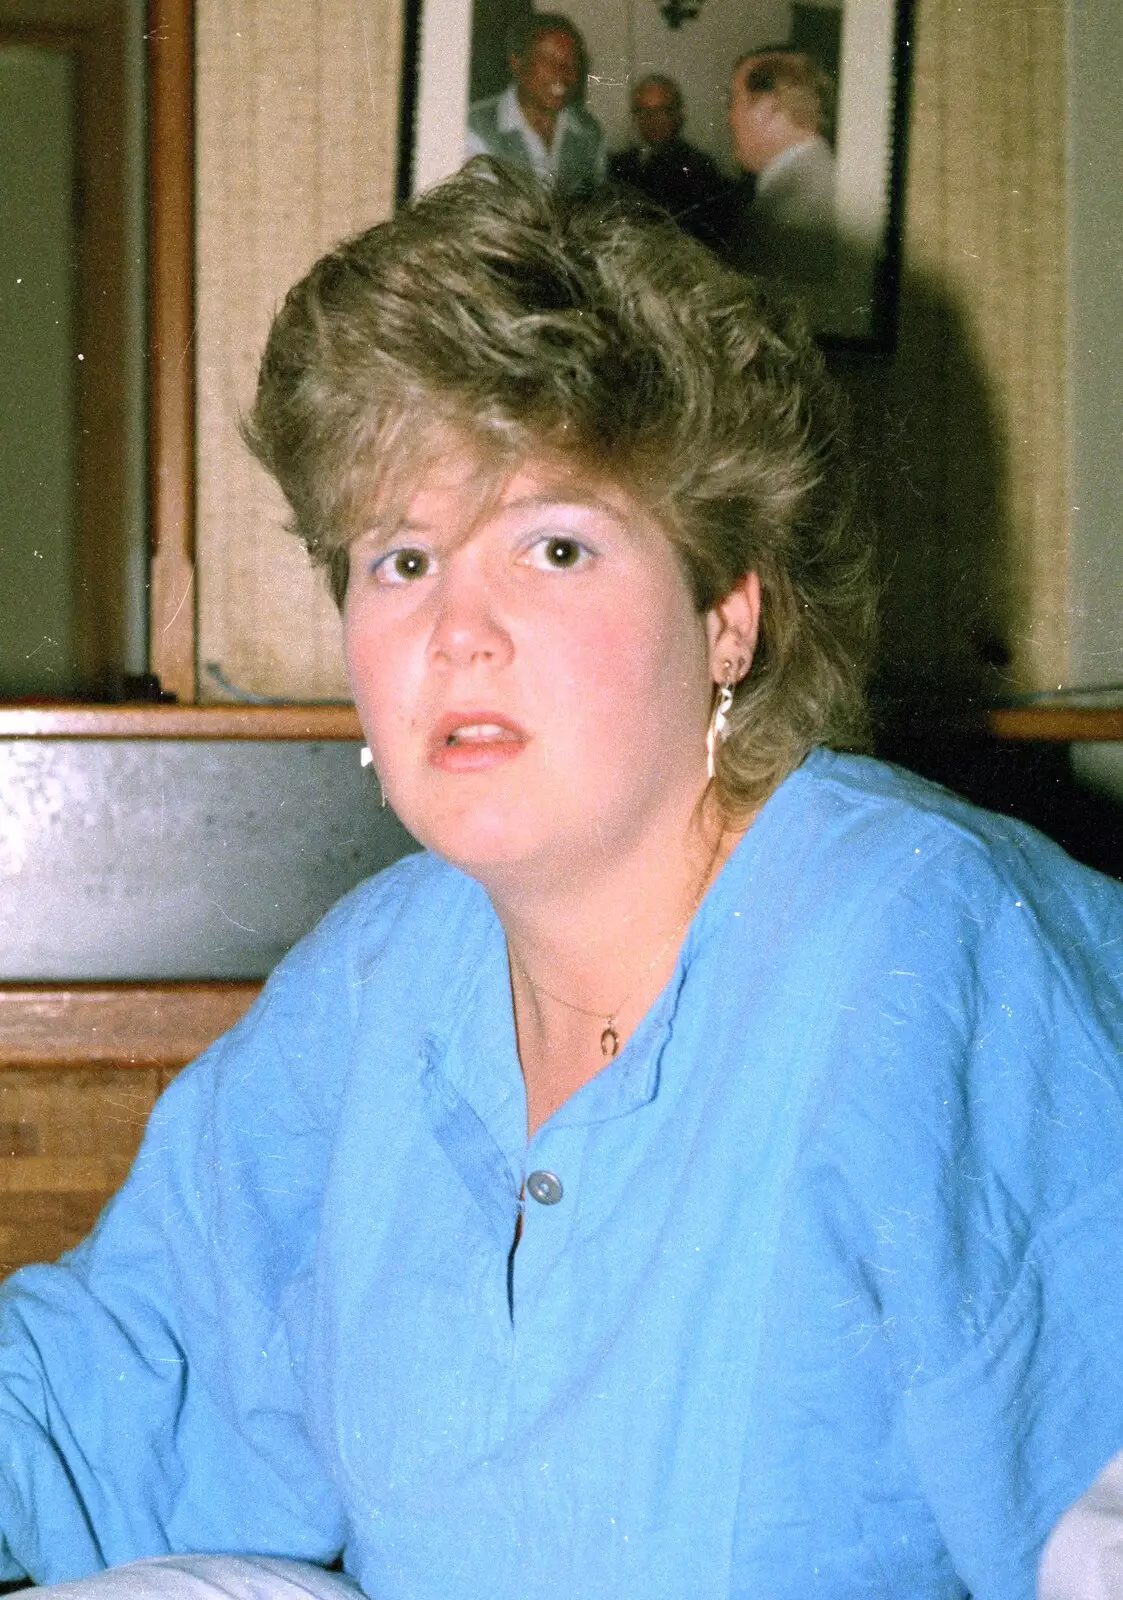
(698, 1173)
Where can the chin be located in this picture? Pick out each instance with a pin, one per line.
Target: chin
(483, 841)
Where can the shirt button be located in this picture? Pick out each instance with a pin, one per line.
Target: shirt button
(545, 1188)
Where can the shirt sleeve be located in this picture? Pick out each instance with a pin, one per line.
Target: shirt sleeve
(944, 1339)
(151, 1383)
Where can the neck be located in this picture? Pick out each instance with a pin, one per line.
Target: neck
(543, 122)
(597, 949)
(792, 140)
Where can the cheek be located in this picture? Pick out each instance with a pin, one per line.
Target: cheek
(379, 678)
(627, 685)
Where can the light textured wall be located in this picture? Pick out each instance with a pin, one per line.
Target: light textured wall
(1096, 312)
(987, 216)
(966, 427)
(297, 115)
(1096, 372)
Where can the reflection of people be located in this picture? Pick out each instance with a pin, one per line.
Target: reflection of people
(664, 167)
(778, 108)
(697, 1172)
(537, 122)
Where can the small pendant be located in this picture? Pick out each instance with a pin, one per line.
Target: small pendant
(609, 1042)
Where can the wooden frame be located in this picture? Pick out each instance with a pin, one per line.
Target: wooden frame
(171, 377)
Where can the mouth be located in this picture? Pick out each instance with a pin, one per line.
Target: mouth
(479, 733)
(473, 742)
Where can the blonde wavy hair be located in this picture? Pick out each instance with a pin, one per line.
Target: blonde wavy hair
(493, 311)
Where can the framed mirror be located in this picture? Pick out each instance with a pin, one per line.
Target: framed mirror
(847, 60)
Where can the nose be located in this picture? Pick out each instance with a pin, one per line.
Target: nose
(467, 629)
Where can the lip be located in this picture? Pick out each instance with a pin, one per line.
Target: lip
(475, 741)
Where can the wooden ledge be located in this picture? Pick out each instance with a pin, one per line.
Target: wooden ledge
(1051, 721)
(1055, 722)
(116, 1024)
(316, 722)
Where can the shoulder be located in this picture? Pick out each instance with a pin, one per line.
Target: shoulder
(267, 1096)
(483, 115)
(623, 164)
(965, 973)
(864, 793)
(698, 160)
(902, 827)
(298, 1036)
(961, 1143)
(583, 125)
(973, 1005)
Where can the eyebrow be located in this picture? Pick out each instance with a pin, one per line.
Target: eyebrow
(380, 535)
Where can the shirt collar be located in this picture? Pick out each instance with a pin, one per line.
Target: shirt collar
(779, 164)
(510, 119)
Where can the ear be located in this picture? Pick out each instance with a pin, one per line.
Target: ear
(732, 627)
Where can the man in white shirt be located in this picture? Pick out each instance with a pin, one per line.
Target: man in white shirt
(537, 121)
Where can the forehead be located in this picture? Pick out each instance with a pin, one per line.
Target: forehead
(653, 97)
(473, 484)
(552, 44)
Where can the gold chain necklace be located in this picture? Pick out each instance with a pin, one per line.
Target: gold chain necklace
(610, 1039)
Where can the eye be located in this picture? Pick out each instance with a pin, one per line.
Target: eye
(558, 552)
(404, 565)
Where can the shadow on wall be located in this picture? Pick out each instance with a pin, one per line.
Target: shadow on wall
(933, 457)
(935, 465)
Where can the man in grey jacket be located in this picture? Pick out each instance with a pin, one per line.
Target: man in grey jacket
(779, 104)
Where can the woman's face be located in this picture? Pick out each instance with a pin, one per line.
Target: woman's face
(531, 674)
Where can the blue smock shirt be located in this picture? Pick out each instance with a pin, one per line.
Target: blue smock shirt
(823, 1295)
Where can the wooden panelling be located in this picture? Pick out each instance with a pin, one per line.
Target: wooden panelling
(1050, 720)
(80, 1070)
(66, 1141)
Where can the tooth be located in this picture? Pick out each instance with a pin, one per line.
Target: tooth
(481, 731)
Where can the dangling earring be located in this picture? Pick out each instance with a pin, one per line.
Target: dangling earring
(716, 734)
(367, 760)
